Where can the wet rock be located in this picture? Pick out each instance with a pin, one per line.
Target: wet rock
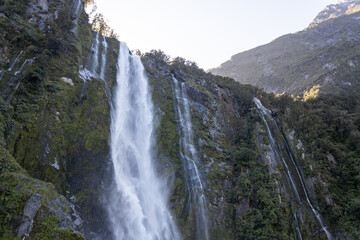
(41, 11)
(195, 95)
(331, 158)
(43, 5)
(31, 208)
(242, 209)
(68, 216)
(202, 142)
(67, 80)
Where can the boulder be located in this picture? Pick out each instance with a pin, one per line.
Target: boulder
(67, 80)
(31, 208)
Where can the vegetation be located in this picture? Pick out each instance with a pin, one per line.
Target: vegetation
(55, 132)
(328, 127)
(54, 135)
(294, 63)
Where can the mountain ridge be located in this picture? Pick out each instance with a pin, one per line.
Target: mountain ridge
(294, 63)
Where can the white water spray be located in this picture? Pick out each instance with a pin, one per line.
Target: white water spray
(189, 157)
(137, 206)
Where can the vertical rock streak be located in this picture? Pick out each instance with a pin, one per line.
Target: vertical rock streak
(137, 206)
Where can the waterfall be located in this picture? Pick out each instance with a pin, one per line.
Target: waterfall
(15, 81)
(265, 112)
(103, 59)
(138, 204)
(103, 67)
(13, 64)
(95, 59)
(297, 226)
(76, 12)
(276, 150)
(17, 59)
(189, 158)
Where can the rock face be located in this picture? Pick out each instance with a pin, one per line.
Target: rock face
(67, 80)
(54, 130)
(293, 63)
(345, 7)
(64, 131)
(31, 208)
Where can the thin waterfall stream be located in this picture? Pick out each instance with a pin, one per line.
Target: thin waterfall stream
(103, 58)
(189, 158)
(95, 49)
(265, 112)
(103, 67)
(138, 203)
(76, 12)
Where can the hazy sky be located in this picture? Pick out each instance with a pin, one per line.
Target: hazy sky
(208, 32)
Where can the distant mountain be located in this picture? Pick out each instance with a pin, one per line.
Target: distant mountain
(344, 7)
(327, 53)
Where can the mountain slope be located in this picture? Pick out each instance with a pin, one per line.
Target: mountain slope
(325, 54)
(57, 82)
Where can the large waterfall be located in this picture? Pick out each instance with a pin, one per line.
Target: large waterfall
(293, 172)
(190, 160)
(138, 204)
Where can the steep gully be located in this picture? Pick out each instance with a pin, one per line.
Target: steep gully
(292, 170)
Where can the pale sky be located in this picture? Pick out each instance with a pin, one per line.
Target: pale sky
(208, 32)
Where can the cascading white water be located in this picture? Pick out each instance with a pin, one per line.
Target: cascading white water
(17, 59)
(266, 112)
(138, 205)
(275, 149)
(77, 8)
(103, 58)
(95, 59)
(13, 64)
(189, 157)
(15, 81)
(103, 67)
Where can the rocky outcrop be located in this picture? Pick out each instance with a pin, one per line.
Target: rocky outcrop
(40, 12)
(345, 7)
(30, 210)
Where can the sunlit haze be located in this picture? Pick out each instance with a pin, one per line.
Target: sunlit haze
(208, 32)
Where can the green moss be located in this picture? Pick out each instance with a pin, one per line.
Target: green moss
(46, 228)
